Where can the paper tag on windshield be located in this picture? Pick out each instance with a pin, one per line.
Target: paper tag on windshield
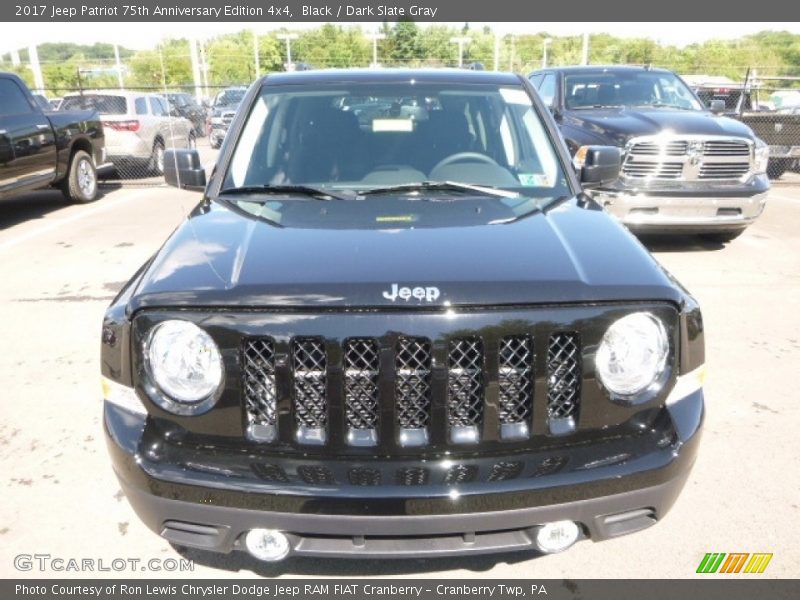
(515, 96)
(534, 180)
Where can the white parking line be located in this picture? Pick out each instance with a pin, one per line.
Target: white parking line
(58, 223)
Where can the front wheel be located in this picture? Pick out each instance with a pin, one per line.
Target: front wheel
(81, 182)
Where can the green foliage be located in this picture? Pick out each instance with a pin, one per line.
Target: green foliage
(231, 60)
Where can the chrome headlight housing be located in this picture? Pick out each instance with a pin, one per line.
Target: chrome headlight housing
(632, 355)
(185, 365)
(761, 157)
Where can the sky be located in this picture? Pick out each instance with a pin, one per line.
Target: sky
(146, 35)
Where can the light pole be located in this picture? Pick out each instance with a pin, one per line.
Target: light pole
(375, 37)
(545, 43)
(288, 37)
(461, 40)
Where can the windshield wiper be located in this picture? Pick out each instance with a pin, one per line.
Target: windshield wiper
(318, 193)
(440, 186)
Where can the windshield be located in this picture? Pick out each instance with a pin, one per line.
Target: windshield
(229, 97)
(364, 137)
(633, 88)
(105, 105)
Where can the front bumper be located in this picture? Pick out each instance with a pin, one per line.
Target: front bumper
(686, 211)
(610, 489)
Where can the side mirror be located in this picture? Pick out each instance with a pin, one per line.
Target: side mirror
(601, 165)
(717, 106)
(182, 169)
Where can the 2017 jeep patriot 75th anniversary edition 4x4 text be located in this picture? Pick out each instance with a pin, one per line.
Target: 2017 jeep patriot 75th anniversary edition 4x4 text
(396, 326)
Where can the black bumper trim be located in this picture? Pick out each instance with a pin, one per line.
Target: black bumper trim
(220, 528)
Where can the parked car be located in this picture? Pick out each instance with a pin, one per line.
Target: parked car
(415, 336)
(139, 126)
(779, 128)
(40, 150)
(223, 110)
(188, 108)
(684, 169)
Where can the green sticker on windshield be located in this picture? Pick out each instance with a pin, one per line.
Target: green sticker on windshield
(534, 180)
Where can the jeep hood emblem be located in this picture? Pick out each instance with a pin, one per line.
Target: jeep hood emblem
(406, 293)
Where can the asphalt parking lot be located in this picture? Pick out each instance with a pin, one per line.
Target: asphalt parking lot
(60, 266)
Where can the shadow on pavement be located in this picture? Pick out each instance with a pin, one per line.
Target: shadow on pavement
(679, 243)
(31, 205)
(349, 567)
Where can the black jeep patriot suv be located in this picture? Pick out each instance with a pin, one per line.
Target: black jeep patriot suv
(396, 326)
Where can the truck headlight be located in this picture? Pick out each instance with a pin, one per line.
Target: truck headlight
(633, 354)
(185, 364)
(761, 157)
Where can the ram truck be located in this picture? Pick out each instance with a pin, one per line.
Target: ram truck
(406, 335)
(43, 149)
(685, 169)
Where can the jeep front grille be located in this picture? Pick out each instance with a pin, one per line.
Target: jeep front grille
(688, 158)
(564, 380)
(465, 389)
(515, 383)
(309, 363)
(302, 371)
(361, 391)
(413, 390)
(258, 358)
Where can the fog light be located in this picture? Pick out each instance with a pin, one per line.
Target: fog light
(557, 536)
(267, 544)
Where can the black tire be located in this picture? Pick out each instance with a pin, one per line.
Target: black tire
(157, 158)
(723, 237)
(777, 167)
(80, 185)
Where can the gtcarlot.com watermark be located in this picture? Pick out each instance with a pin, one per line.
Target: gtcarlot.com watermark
(59, 564)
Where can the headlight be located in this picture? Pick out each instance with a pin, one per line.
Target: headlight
(633, 354)
(185, 364)
(761, 157)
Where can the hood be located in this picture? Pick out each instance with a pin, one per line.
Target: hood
(220, 257)
(617, 125)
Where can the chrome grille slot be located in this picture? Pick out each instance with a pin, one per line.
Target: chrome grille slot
(413, 360)
(309, 363)
(260, 399)
(361, 391)
(726, 148)
(465, 389)
(672, 148)
(515, 385)
(659, 170)
(728, 170)
(563, 382)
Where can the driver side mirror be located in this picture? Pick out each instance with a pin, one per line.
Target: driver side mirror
(600, 165)
(183, 170)
(717, 106)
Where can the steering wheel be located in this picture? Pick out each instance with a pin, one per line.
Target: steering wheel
(459, 156)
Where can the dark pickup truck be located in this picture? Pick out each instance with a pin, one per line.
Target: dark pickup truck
(779, 128)
(46, 149)
(684, 168)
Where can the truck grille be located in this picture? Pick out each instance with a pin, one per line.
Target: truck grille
(695, 158)
(309, 377)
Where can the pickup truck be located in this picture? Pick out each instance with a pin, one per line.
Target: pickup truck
(684, 169)
(41, 149)
(779, 128)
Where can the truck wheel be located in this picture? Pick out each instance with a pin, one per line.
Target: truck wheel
(157, 158)
(723, 237)
(80, 184)
(777, 167)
